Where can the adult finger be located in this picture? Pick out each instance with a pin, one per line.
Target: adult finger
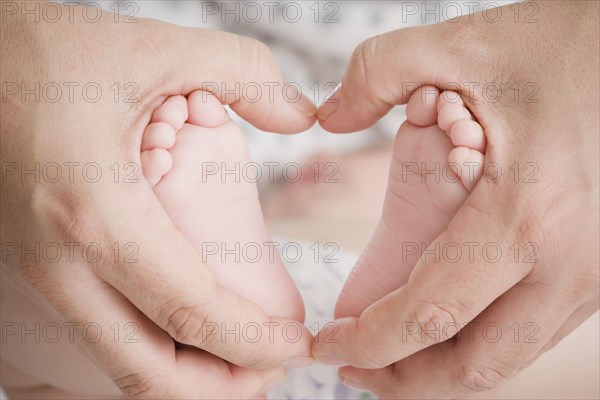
(165, 59)
(494, 347)
(386, 69)
(456, 278)
(240, 71)
(172, 286)
(140, 358)
(145, 258)
(403, 232)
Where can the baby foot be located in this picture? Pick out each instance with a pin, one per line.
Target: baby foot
(466, 159)
(218, 213)
(438, 160)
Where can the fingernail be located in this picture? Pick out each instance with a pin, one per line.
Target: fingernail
(355, 385)
(273, 382)
(330, 104)
(331, 361)
(307, 107)
(298, 362)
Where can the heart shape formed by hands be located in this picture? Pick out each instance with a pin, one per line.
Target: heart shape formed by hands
(174, 294)
(196, 159)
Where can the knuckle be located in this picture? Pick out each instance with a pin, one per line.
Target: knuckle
(184, 322)
(371, 357)
(258, 62)
(258, 357)
(75, 219)
(144, 385)
(434, 319)
(365, 65)
(364, 56)
(534, 227)
(257, 55)
(548, 243)
(477, 376)
(364, 75)
(437, 321)
(369, 353)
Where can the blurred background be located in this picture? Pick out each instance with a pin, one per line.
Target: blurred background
(312, 42)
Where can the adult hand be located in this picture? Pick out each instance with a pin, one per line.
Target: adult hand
(397, 346)
(147, 273)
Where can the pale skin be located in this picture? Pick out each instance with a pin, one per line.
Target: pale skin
(109, 125)
(169, 291)
(215, 211)
(185, 132)
(559, 213)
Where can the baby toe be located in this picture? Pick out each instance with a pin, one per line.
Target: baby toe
(155, 164)
(468, 165)
(421, 109)
(468, 133)
(206, 110)
(173, 111)
(451, 113)
(158, 135)
(449, 97)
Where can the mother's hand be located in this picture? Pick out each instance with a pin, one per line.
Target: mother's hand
(399, 343)
(164, 288)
